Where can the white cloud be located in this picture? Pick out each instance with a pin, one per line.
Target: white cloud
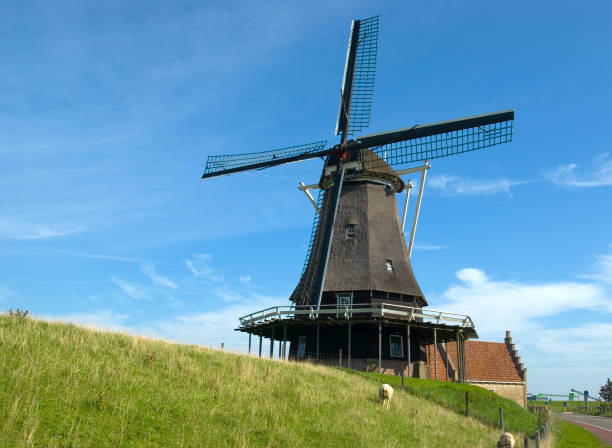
(213, 327)
(464, 186)
(111, 257)
(134, 290)
(567, 176)
(428, 247)
(22, 230)
(103, 320)
(602, 270)
(245, 279)
(199, 265)
(158, 279)
(495, 305)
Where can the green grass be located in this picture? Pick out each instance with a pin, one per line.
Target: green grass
(567, 435)
(65, 386)
(483, 404)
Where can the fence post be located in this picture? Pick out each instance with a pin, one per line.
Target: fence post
(222, 346)
(537, 439)
(467, 412)
(526, 442)
(501, 418)
(340, 358)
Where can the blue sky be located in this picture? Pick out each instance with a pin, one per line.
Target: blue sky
(108, 111)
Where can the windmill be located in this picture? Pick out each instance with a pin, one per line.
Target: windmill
(357, 269)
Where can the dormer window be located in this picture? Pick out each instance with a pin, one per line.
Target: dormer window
(350, 230)
(389, 264)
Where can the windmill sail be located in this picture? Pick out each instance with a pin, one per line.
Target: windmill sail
(422, 142)
(359, 74)
(220, 165)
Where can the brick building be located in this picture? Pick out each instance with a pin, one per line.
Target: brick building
(495, 366)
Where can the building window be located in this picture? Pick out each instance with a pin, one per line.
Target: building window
(344, 300)
(301, 351)
(350, 230)
(389, 264)
(396, 345)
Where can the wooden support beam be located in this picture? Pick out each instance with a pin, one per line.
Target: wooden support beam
(250, 344)
(349, 344)
(260, 343)
(408, 347)
(284, 341)
(272, 344)
(318, 327)
(380, 347)
(435, 355)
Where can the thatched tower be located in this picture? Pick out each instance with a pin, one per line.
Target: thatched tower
(368, 257)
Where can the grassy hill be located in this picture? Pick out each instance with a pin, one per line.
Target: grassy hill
(66, 386)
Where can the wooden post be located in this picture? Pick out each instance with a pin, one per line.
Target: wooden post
(222, 346)
(537, 439)
(280, 348)
(435, 354)
(260, 343)
(403, 384)
(408, 344)
(249, 344)
(526, 442)
(458, 360)
(446, 356)
(272, 344)
(380, 347)
(349, 344)
(284, 341)
(318, 325)
(340, 358)
(467, 408)
(501, 418)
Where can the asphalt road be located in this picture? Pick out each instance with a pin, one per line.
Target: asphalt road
(600, 426)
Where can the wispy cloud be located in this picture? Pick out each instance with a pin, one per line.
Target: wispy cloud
(102, 319)
(133, 290)
(601, 270)
(464, 186)
(158, 279)
(428, 247)
(199, 265)
(23, 230)
(245, 279)
(568, 176)
(119, 258)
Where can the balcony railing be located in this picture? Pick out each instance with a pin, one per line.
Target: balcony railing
(409, 313)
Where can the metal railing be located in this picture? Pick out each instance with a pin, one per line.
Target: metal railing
(408, 313)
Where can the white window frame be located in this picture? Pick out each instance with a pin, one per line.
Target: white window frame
(389, 264)
(401, 345)
(341, 296)
(301, 350)
(350, 230)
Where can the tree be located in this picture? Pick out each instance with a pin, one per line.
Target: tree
(606, 391)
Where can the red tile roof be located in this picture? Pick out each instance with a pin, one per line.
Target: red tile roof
(485, 361)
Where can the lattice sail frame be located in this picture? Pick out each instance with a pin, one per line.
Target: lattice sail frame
(364, 76)
(218, 163)
(403, 153)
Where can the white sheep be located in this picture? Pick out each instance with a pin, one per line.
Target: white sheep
(506, 440)
(385, 393)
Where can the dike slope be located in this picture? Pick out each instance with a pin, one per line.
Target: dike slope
(67, 386)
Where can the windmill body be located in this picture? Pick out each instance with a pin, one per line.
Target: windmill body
(357, 294)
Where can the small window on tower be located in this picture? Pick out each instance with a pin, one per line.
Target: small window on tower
(350, 230)
(389, 265)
